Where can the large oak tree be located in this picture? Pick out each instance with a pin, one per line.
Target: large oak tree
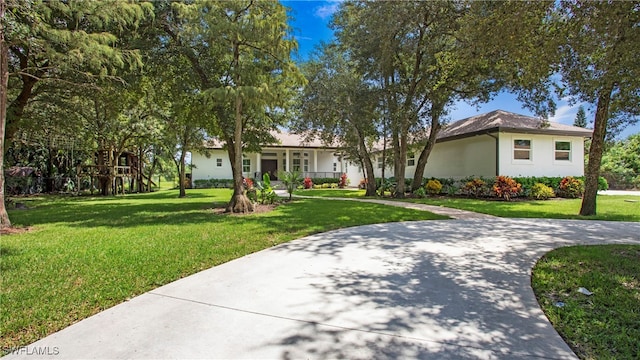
(45, 42)
(241, 53)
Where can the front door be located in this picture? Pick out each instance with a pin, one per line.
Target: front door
(270, 167)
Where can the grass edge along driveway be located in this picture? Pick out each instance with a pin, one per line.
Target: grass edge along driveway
(609, 207)
(601, 326)
(85, 254)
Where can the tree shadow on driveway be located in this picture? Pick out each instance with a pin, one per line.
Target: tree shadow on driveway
(455, 289)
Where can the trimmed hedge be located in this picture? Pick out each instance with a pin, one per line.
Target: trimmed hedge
(212, 183)
(325, 180)
(452, 186)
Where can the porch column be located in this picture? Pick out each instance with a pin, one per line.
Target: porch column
(259, 164)
(315, 160)
(286, 159)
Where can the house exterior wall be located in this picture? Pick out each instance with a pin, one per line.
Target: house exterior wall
(542, 161)
(320, 163)
(474, 156)
(455, 159)
(206, 168)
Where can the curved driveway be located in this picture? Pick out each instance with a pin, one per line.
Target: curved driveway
(450, 289)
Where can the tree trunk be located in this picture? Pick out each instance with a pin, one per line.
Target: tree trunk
(595, 153)
(15, 110)
(50, 182)
(181, 177)
(400, 150)
(368, 166)
(428, 147)
(239, 202)
(4, 77)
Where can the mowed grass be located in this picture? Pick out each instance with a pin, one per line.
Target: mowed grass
(605, 325)
(84, 255)
(609, 207)
(338, 193)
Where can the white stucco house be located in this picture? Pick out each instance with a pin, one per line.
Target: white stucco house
(312, 159)
(495, 143)
(503, 143)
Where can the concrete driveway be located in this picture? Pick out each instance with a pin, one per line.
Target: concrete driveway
(451, 289)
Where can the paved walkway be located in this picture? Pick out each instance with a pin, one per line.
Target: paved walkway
(440, 210)
(450, 289)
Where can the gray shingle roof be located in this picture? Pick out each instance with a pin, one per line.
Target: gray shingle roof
(504, 121)
(285, 140)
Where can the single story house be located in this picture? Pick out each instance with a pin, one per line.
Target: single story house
(495, 143)
(504, 143)
(292, 153)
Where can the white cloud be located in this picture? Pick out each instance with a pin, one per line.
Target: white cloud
(565, 114)
(326, 11)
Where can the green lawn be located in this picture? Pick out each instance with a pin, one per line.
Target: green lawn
(609, 207)
(605, 325)
(85, 254)
(344, 193)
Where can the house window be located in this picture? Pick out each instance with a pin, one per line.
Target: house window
(563, 151)
(246, 165)
(219, 162)
(521, 149)
(296, 164)
(335, 167)
(380, 162)
(306, 165)
(411, 159)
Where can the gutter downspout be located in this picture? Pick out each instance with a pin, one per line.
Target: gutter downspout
(497, 153)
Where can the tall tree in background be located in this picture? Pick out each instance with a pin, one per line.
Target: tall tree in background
(4, 77)
(353, 124)
(240, 52)
(66, 42)
(600, 66)
(581, 118)
(396, 34)
(418, 51)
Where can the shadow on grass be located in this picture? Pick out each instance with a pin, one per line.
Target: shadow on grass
(149, 209)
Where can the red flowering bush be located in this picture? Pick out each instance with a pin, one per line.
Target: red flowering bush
(571, 187)
(506, 188)
(307, 183)
(343, 181)
(248, 183)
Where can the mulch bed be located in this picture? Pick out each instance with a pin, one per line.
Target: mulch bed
(258, 208)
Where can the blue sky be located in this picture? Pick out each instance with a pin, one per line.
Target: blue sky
(310, 27)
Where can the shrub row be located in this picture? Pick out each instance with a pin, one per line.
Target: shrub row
(212, 183)
(500, 186)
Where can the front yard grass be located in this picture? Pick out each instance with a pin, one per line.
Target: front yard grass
(605, 325)
(609, 207)
(84, 255)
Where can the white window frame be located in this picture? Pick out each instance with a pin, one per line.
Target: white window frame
(411, 159)
(514, 149)
(305, 165)
(218, 162)
(380, 164)
(246, 165)
(295, 165)
(569, 158)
